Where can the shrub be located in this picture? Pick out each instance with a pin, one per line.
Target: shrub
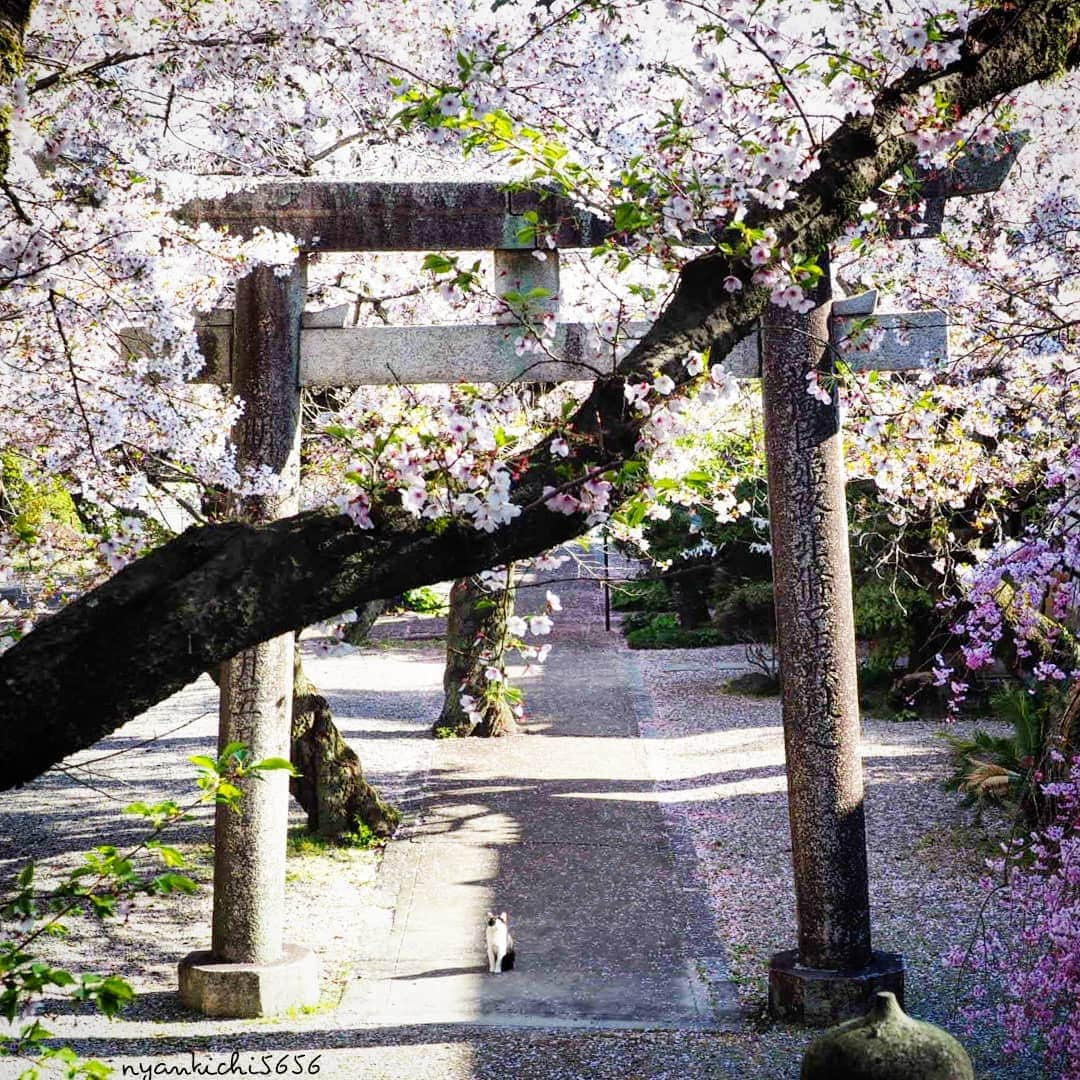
(746, 613)
(644, 594)
(1008, 768)
(885, 612)
(663, 632)
(426, 600)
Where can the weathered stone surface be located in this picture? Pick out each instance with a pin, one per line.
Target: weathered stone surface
(252, 974)
(818, 996)
(249, 842)
(816, 642)
(379, 216)
(256, 685)
(217, 988)
(386, 355)
(335, 355)
(886, 1044)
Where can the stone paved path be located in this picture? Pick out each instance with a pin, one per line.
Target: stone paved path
(559, 827)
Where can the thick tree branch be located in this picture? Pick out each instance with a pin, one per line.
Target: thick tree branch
(215, 590)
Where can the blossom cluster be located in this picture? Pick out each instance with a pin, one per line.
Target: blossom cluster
(1028, 980)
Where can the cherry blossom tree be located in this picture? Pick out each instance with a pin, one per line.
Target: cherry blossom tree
(726, 159)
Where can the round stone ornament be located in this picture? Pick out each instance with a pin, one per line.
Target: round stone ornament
(886, 1044)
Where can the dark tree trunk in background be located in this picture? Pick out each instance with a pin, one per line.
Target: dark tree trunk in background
(475, 627)
(331, 786)
(688, 586)
(359, 632)
(14, 16)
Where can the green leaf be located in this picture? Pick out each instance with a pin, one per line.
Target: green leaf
(438, 264)
(169, 855)
(271, 764)
(34, 1033)
(113, 994)
(234, 751)
(228, 793)
(339, 431)
(203, 762)
(170, 883)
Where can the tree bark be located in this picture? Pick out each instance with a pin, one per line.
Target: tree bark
(215, 590)
(331, 786)
(359, 632)
(14, 17)
(688, 584)
(475, 628)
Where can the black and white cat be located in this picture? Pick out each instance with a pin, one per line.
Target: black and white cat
(500, 943)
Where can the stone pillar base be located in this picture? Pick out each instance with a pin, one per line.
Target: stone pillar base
(217, 988)
(820, 997)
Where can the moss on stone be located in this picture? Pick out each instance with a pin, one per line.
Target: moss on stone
(886, 1044)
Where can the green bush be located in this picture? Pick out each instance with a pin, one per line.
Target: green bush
(642, 595)
(884, 613)
(746, 613)
(29, 500)
(662, 631)
(638, 620)
(425, 600)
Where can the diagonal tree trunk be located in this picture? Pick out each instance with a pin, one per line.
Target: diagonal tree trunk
(216, 590)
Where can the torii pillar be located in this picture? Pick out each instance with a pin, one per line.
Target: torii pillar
(249, 971)
(834, 972)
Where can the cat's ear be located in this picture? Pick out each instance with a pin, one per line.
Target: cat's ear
(503, 916)
(491, 914)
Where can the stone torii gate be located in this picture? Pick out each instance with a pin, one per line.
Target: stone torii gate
(268, 349)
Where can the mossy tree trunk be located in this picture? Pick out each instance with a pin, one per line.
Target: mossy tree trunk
(475, 632)
(331, 786)
(14, 16)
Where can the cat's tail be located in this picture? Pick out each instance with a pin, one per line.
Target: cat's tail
(508, 960)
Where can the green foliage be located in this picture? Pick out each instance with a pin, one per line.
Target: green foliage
(662, 631)
(427, 600)
(883, 613)
(746, 613)
(220, 777)
(363, 836)
(302, 843)
(1007, 769)
(30, 500)
(103, 885)
(643, 595)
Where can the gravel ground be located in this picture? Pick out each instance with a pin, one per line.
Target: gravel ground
(717, 765)
(718, 761)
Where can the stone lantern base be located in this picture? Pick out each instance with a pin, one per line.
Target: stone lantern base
(820, 997)
(218, 988)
